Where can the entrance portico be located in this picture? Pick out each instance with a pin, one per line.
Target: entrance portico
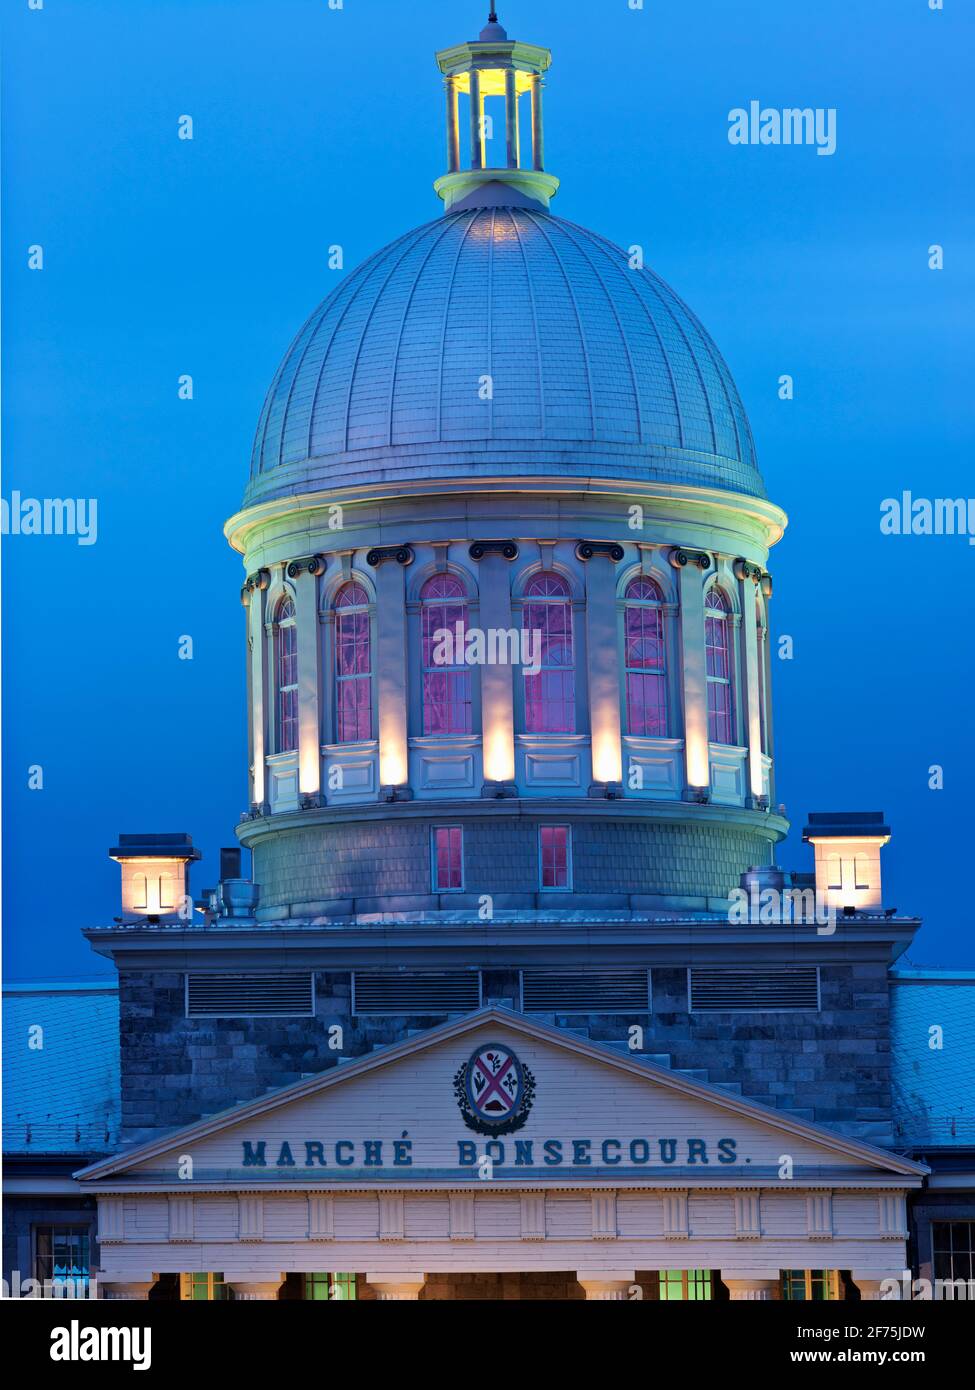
(499, 1146)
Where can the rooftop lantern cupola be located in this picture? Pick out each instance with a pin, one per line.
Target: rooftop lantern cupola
(494, 66)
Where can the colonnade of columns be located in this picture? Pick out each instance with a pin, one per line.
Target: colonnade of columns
(477, 125)
(599, 1285)
(605, 676)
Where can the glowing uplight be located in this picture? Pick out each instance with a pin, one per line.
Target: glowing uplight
(499, 755)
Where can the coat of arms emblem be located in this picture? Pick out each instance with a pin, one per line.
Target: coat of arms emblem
(494, 1090)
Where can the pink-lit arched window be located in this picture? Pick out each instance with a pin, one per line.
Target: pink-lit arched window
(717, 643)
(353, 665)
(286, 676)
(646, 672)
(446, 679)
(550, 695)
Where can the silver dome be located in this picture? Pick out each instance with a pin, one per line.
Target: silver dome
(597, 370)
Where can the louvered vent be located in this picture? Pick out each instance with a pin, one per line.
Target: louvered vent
(585, 991)
(416, 991)
(755, 991)
(227, 996)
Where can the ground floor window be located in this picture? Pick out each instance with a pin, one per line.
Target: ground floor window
(208, 1287)
(953, 1244)
(682, 1285)
(339, 1286)
(62, 1257)
(810, 1285)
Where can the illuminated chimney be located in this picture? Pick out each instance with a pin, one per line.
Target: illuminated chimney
(155, 876)
(847, 846)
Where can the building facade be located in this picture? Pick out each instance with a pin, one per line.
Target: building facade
(515, 1001)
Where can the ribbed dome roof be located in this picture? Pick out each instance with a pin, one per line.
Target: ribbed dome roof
(598, 370)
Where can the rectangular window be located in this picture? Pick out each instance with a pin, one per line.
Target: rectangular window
(553, 848)
(448, 858)
(203, 1287)
(340, 1287)
(62, 1258)
(810, 1285)
(953, 1244)
(684, 1285)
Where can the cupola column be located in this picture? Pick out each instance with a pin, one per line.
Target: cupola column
(477, 121)
(692, 567)
(538, 136)
(256, 588)
(305, 574)
(511, 118)
(748, 577)
(602, 649)
(389, 563)
(497, 678)
(453, 130)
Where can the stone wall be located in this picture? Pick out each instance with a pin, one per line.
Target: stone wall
(366, 864)
(831, 1066)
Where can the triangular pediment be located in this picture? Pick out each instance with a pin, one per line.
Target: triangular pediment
(495, 1094)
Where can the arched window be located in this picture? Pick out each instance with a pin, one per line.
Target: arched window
(353, 665)
(286, 676)
(646, 674)
(550, 695)
(446, 679)
(717, 642)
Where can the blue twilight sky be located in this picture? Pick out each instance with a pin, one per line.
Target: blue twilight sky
(315, 125)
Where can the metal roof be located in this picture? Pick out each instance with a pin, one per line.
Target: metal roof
(597, 369)
(61, 1085)
(934, 1095)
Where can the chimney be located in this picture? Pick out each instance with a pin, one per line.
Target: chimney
(847, 846)
(155, 876)
(230, 863)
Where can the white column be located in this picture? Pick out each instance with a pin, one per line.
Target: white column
(538, 136)
(390, 1287)
(751, 1287)
(497, 678)
(607, 1285)
(477, 112)
(258, 649)
(869, 1287)
(453, 133)
(691, 567)
(258, 1288)
(602, 647)
(511, 117)
(132, 1289)
(309, 714)
(748, 575)
(391, 668)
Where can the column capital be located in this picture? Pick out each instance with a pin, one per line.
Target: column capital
(588, 550)
(680, 557)
(750, 1288)
(479, 549)
(260, 579)
(744, 569)
(607, 1285)
(390, 1287)
(871, 1288)
(259, 1288)
(380, 554)
(308, 564)
(133, 1289)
